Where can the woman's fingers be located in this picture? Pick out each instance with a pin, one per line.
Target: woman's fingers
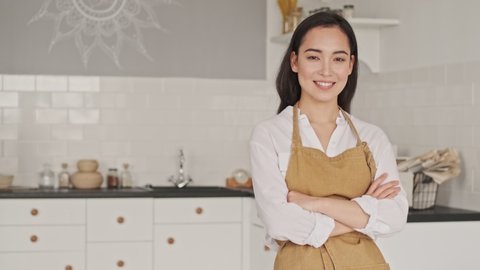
(376, 183)
(384, 188)
(389, 193)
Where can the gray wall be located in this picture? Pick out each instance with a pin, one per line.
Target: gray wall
(204, 39)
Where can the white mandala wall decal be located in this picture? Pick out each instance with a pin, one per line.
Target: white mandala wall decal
(106, 24)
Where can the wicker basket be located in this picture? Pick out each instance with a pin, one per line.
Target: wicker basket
(424, 191)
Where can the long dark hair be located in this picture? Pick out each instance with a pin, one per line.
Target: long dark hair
(288, 87)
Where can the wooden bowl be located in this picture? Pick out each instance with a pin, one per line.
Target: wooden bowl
(6, 181)
(87, 165)
(87, 180)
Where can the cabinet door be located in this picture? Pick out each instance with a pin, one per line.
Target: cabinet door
(124, 256)
(42, 261)
(261, 257)
(128, 219)
(433, 245)
(198, 246)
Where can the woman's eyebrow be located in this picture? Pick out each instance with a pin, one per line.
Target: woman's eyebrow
(320, 51)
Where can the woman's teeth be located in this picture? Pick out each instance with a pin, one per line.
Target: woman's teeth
(324, 84)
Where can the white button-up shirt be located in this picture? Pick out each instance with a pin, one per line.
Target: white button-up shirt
(270, 146)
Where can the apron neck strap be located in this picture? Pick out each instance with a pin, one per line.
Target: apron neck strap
(296, 139)
(352, 127)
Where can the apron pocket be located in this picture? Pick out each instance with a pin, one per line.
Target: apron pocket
(355, 251)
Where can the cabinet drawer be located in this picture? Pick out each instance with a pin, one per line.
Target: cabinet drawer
(198, 210)
(42, 211)
(42, 238)
(125, 256)
(198, 246)
(43, 261)
(119, 219)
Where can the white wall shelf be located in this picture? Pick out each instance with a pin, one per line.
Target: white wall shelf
(367, 31)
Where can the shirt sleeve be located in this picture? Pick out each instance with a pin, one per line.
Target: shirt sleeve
(387, 216)
(282, 220)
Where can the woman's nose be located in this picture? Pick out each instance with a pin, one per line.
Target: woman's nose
(325, 68)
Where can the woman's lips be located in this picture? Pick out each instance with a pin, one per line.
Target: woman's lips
(324, 85)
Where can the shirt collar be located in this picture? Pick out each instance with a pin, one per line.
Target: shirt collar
(288, 112)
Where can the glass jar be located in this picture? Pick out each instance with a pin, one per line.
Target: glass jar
(126, 177)
(64, 177)
(112, 178)
(46, 178)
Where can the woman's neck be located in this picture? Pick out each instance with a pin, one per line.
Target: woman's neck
(319, 113)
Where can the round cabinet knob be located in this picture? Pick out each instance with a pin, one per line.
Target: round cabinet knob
(68, 267)
(120, 263)
(120, 220)
(266, 248)
(34, 212)
(171, 240)
(33, 238)
(199, 210)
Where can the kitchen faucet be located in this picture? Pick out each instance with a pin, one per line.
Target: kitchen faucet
(181, 179)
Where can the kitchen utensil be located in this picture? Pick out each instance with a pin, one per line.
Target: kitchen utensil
(87, 180)
(87, 165)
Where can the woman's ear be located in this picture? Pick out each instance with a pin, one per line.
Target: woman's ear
(352, 61)
(293, 62)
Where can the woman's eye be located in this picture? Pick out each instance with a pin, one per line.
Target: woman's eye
(312, 57)
(339, 59)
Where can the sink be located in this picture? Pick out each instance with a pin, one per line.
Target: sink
(198, 191)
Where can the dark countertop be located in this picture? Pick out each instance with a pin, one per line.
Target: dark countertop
(436, 214)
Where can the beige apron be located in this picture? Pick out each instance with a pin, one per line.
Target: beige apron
(348, 175)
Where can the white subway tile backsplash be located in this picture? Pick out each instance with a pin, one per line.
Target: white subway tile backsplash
(116, 84)
(84, 149)
(52, 83)
(56, 148)
(455, 73)
(18, 83)
(10, 148)
(83, 84)
(92, 100)
(1, 82)
(115, 149)
(8, 99)
(8, 132)
(34, 132)
(133, 101)
(11, 116)
(8, 165)
(68, 133)
(86, 116)
(35, 100)
(176, 85)
(115, 116)
(67, 100)
(51, 116)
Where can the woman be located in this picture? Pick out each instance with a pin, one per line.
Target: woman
(325, 182)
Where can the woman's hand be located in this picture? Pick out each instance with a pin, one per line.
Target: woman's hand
(383, 191)
(305, 201)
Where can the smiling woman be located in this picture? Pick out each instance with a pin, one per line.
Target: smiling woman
(326, 184)
(155, 38)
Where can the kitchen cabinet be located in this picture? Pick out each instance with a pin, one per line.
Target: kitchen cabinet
(50, 232)
(259, 255)
(433, 245)
(119, 233)
(200, 233)
(367, 32)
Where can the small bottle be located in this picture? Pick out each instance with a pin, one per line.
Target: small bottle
(348, 11)
(64, 177)
(46, 178)
(126, 177)
(112, 178)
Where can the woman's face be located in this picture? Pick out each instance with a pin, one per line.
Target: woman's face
(323, 64)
